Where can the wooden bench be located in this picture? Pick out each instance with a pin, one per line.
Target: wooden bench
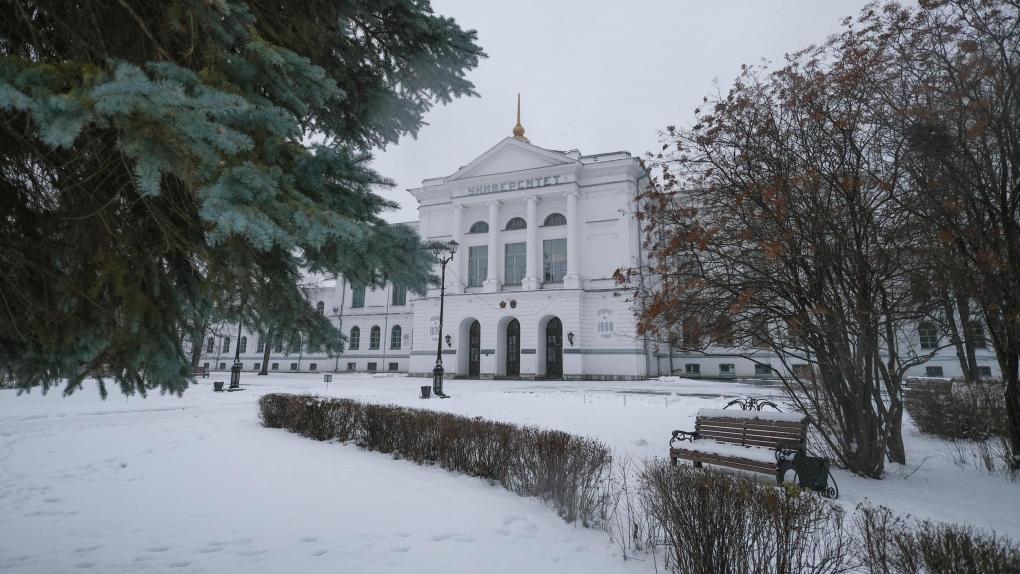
(200, 372)
(747, 440)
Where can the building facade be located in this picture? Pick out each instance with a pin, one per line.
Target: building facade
(530, 291)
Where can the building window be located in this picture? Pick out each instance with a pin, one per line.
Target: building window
(352, 366)
(933, 371)
(313, 366)
(374, 336)
(554, 260)
(276, 366)
(355, 339)
(256, 366)
(372, 367)
(393, 367)
(357, 297)
(399, 295)
(984, 371)
(763, 370)
(928, 335)
(975, 333)
(261, 346)
(225, 347)
(516, 255)
(209, 345)
(692, 368)
(803, 371)
(516, 223)
(395, 337)
(223, 366)
(244, 344)
(727, 369)
(320, 307)
(205, 366)
(478, 265)
(293, 366)
(554, 219)
(295, 344)
(479, 227)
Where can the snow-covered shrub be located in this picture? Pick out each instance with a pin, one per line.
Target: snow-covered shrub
(891, 544)
(976, 411)
(568, 472)
(720, 522)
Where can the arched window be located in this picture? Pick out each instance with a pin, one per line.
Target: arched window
(516, 223)
(479, 227)
(244, 344)
(262, 345)
(320, 307)
(278, 347)
(554, 219)
(357, 296)
(395, 337)
(295, 344)
(354, 342)
(209, 345)
(975, 333)
(374, 336)
(225, 347)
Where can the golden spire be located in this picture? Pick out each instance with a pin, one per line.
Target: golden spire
(519, 129)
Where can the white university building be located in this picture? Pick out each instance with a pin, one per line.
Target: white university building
(530, 292)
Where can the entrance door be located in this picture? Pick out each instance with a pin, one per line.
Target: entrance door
(475, 350)
(513, 348)
(554, 349)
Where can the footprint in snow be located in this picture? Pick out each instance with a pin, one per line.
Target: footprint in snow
(319, 552)
(310, 539)
(400, 549)
(157, 549)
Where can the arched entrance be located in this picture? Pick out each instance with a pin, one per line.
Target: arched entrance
(475, 349)
(554, 348)
(513, 348)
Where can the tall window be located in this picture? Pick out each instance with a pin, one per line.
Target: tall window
(244, 344)
(320, 307)
(295, 344)
(554, 260)
(975, 333)
(209, 345)
(261, 346)
(479, 227)
(395, 337)
(373, 340)
(357, 297)
(554, 219)
(516, 223)
(399, 295)
(354, 341)
(278, 346)
(225, 347)
(478, 265)
(516, 261)
(928, 335)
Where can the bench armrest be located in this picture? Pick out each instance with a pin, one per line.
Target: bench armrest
(679, 436)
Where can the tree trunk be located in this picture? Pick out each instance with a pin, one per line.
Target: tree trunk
(897, 452)
(265, 354)
(197, 341)
(954, 336)
(1010, 377)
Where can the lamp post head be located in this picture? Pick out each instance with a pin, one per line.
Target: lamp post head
(570, 338)
(449, 340)
(452, 246)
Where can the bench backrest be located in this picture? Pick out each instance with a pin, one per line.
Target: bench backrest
(777, 434)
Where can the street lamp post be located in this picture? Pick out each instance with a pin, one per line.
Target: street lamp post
(444, 254)
(235, 369)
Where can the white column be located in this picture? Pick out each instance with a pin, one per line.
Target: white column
(491, 284)
(532, 278)
(573, 277)
(456, 283)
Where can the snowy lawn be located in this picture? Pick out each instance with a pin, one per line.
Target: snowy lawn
(195, 484)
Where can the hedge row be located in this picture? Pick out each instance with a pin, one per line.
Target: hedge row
(568, 472)
(718, 522)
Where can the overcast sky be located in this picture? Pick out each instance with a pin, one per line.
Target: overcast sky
(595, 75)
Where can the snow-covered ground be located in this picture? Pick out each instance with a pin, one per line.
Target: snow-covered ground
(195, 484)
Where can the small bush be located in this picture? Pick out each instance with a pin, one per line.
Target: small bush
(893, 544)
(719, 522)
(975, 412)
(566, 471)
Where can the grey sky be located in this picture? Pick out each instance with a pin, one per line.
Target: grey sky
(597, 76)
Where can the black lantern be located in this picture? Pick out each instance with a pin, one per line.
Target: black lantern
(444, 254)
(449, 340)
(570, 338)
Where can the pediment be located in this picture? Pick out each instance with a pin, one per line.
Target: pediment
(510, 155)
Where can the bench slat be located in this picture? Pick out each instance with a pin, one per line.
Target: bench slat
(702, 430)
(719, 460)
(753, 423)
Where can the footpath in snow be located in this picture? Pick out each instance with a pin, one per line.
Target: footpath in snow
(195, 484)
